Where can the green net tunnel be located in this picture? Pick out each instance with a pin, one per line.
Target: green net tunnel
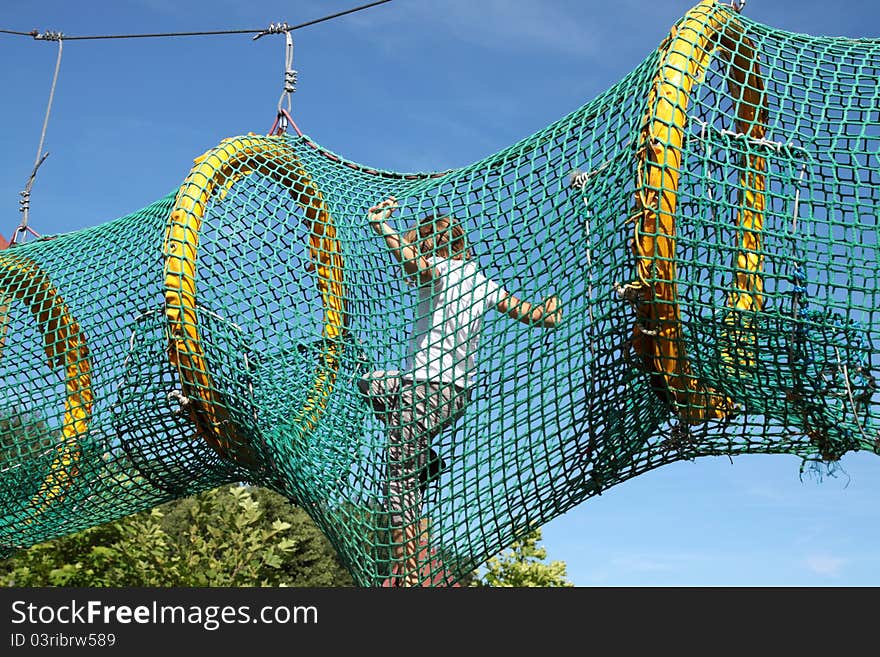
(710, 225)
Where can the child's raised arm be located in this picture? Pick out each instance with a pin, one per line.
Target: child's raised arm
(414, 264)
(546, 314)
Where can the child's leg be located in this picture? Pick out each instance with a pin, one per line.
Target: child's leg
(382, 391)
(413, 412)
(404, 495)
(425, 409)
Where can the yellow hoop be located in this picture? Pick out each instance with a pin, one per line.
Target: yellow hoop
(216, 171)
(685, 58)
(66, 349)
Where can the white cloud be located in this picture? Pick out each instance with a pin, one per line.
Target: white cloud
(824, 565)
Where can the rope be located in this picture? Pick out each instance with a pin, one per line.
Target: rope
(289, 81)
(24, 204)
(845, 370)
(259, 31)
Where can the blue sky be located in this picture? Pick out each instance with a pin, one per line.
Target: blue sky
(418, 85)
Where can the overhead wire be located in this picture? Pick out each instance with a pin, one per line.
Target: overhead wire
(259, 31)
(25, 202)
(48, 35)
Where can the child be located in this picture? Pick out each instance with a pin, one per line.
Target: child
(431, 393)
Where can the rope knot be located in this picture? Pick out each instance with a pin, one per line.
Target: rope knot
(183, 402)
(24, 203)
(578, 179)
(290, 77)
(634, 292)
(274, 28)
(278, 28)
(48, 35)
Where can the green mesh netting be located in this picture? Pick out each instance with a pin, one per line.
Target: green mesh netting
(716, 258)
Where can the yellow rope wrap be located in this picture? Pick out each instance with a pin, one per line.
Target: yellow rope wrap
(219, 169)
(685, 58)
(65, 349)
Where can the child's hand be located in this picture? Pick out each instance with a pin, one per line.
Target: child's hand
(552, 314)
(381, 212)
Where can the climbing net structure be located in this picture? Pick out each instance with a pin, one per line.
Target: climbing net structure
(709, 224)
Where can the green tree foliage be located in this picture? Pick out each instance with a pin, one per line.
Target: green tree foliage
(229, 536)
(523, 565)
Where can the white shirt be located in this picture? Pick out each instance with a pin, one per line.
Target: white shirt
(450, 313)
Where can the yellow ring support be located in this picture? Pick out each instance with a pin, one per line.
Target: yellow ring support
(66, 350)
(684, 60)
(214, 173)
